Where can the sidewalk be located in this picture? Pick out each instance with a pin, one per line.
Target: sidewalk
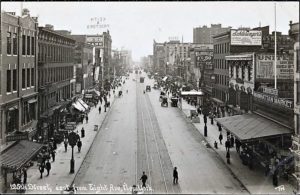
(254, 180)
(59, 176)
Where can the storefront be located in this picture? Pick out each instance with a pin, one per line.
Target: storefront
(262, 139)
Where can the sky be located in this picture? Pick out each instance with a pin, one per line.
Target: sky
(134, 25)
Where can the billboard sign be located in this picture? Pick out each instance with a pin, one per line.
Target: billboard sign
(265, 66)
(246, 37)
(204, 59)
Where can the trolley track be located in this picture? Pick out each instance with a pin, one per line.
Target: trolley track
(160, 171)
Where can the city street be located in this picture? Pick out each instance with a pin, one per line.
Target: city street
(138, 136)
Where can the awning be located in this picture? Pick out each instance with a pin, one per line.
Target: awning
(18, 155)
(32, 101)
(83, 104)
(251, 126)
(217, 100)
(78, 106)
(192, 93)
(165, 78)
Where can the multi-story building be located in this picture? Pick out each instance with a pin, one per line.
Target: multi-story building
(204, 34)
(225, 44)
(56, 78)
(18, 77)
(83, 58)
(102, 55)
(159, 58)
(294, 34)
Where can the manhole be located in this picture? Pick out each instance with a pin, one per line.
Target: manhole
(62, 163)
(228, 187)
(53, 173)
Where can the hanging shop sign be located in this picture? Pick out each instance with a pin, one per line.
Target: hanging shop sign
(273, 99)
(246, 37)
(265, 66)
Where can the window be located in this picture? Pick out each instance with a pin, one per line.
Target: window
(14, 79)
(0, 84)
(23, 78)
(32, 77)
(243, 73)
(298, 124)
(28, 45)
(23, 44)
(249, 73)
(298, 60)
(15, 44)
(8, 43)
(237, 72)
(231, 71)
(32, 46)
(28, 77)
(298, 92)
(8, 81)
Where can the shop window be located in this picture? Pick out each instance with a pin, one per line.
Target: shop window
(8, 43)
(298, 124)
(23, 44)
(28, 77)
(28, 45)
(12, 120)
(15, 44)
(15, 80)
(231, 71)
(8, 81)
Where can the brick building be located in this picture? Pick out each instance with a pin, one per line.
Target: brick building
(18, 77)
(204, 34)
(56, 78)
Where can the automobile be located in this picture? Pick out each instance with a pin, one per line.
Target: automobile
(155, 86)
(148, 88)
(174, 101)
(162, 95)
(164, 102)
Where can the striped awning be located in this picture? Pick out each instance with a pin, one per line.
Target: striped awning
(18, 155)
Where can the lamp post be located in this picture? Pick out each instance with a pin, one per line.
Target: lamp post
(73, 138)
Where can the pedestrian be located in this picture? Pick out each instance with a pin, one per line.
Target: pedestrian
(232, 141)
(100, 100)
(199, 110)
(66, 145)
(53, 155)
(79, 144)
(99, 109)
(228, 157)
(175, 176)
(221, 138)
(275, 178)
(41, 169)
(237, 145)
(48, 167)
(216, 145)
(227, 145)
(105, 107)
(82, 132)
(25, 175)
(86, 118)
(144, 179)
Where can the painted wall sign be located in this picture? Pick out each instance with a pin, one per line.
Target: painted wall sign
(265, 67)
(246, 37)
(273, 99)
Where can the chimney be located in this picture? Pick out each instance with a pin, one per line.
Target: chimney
(49, 26)
(25, 12)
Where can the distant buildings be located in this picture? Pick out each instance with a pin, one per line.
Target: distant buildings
(204, 34)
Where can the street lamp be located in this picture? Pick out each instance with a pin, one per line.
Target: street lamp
(73, 138)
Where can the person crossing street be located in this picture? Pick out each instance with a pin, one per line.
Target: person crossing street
(144, 179)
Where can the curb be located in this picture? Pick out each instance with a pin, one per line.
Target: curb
(234, 175)
(104, 120)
